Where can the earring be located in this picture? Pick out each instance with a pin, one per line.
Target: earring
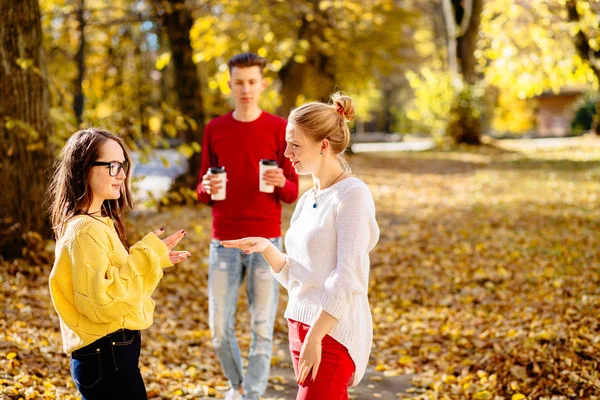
(321, 153)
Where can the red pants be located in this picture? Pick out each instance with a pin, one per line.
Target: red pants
(335, 371)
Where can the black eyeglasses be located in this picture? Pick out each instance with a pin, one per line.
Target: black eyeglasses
(114, 167)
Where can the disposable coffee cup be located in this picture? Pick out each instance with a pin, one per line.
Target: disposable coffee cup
(220, 195)
(266, 165)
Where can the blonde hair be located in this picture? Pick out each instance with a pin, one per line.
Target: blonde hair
(319, 121)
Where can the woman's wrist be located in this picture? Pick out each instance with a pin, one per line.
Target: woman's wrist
(313, 337)
(269, 248)
(274, 257)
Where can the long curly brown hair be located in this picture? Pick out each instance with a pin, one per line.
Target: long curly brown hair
(70, 192)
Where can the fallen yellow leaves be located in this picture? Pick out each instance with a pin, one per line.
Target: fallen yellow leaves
(490, 267)
(484, 284)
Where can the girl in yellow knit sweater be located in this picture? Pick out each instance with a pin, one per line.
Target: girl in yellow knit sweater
(101, 288)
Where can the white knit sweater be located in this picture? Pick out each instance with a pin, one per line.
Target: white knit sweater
(328, 264)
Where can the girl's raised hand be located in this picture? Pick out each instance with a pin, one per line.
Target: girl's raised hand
(178, 256)
(171, 241)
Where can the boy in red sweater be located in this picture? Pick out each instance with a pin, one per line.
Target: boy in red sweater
(238, 141)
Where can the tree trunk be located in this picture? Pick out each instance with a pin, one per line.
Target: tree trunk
(78, 99)
(449, 21)
(466, 44)
(387, 103)
(178, 21)
(596, 120)
(462, 19)
(293, 74)
(435, 9)
(24, 126)
(585, 51)
(292, 77)
(325, 79)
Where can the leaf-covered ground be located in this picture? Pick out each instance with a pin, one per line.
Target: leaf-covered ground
(485, 285)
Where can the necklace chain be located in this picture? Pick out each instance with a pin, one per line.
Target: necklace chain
(315, 188)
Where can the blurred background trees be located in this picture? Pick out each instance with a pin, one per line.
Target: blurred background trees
(154, 71)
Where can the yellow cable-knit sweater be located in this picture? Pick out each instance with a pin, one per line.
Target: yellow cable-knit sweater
(97, 286)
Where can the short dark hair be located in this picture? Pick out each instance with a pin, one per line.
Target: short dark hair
(246, 60)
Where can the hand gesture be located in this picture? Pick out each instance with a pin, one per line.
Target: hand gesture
(171, 241)
(249, 244)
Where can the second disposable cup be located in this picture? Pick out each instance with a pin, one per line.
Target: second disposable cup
(265, 165)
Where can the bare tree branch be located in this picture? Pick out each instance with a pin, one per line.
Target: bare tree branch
(466, 19)
(451, 33)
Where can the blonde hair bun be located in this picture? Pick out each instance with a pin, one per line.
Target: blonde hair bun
(344, 105)
(319, 121)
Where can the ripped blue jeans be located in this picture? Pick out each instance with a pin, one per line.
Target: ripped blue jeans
(227, 268)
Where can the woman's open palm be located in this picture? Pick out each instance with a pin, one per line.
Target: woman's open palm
(248, 245)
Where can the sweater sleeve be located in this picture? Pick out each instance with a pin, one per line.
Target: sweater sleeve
(103, 291)
(207, 162)
(283, 276)
(357, 232)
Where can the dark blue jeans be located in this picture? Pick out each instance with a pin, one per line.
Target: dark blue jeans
(108, 368)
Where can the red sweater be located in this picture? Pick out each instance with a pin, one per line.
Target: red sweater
(239, 146)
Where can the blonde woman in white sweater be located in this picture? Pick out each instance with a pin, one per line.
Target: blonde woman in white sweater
(326, 269)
